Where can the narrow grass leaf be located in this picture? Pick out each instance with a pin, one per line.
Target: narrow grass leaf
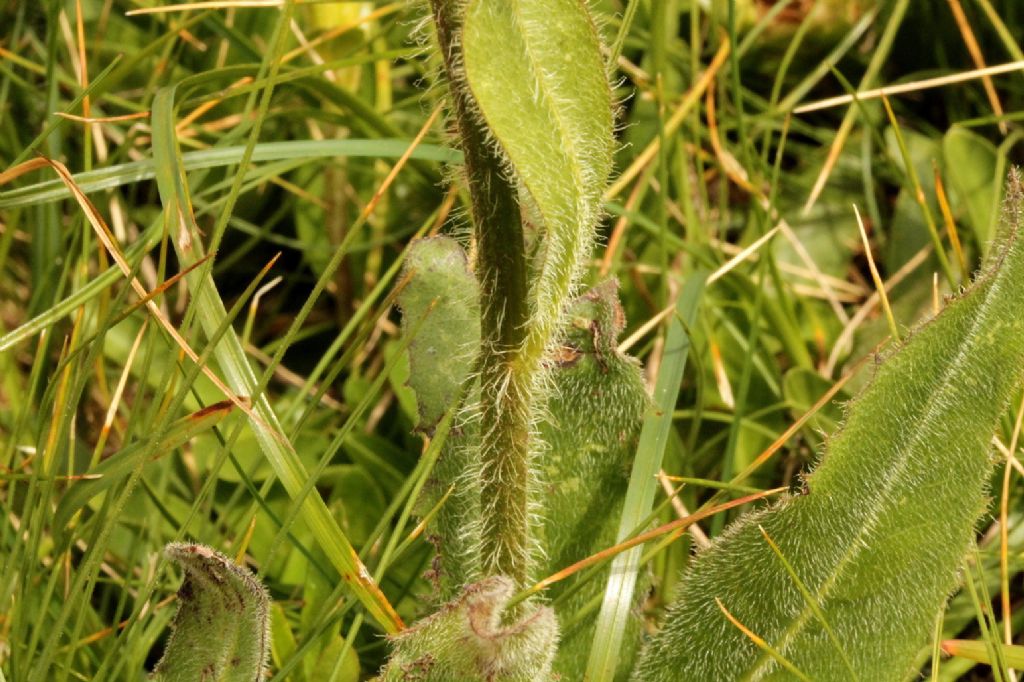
(230, 355)
(120, 465)
(809, 598)
(1013, 654)
(130, 172)
(761, 644)
(617, 606)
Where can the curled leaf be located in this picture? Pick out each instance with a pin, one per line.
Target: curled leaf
(221, 631)
(442, 290)
(546, 100)
(467, 640)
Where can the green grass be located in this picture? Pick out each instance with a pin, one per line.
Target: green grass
(290, 161)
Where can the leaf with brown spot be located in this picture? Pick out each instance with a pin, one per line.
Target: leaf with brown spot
(222, 628)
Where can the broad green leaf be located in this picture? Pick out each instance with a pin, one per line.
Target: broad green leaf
(971, 163)
(545, 97)
(222, 630)
(591, 433)
(444, 293)
(442, 298)
(120, 465)
(470, 641)
(282, 641)
(879, 535)
(399, 383)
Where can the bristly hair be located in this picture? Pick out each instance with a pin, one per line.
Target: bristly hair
(550, 290)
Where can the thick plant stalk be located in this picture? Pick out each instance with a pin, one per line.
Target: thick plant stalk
(534, 114)
(501, 270)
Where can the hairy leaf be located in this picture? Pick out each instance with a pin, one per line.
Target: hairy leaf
(878, 538)
(467, 640)
(442, 298)
(593, 424)
(544, 95)
(442, 290)
(453, 490)
(222, 629)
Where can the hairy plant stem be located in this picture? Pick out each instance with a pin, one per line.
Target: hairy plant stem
(505, 379)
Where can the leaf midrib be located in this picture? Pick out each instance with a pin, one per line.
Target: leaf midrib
(855, 546)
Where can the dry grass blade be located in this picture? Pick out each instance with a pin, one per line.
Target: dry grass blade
(214, 4)
(677, 527)
(979, 60)
(103, 119)
(915, 86)
(108, 240)
(761, 644)
(877, 278)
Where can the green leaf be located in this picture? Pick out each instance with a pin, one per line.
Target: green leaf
(545, 97)
(591, 431)
(337, 661)
(130, 172)
(1013, 654)
(222, 630)
(444, 293)
(468, 640)
(442, 298)
(120, 465)
(172, 185)
(879, 536)
(449, 503)
(617, 606)
(971, 163)
(282, 644)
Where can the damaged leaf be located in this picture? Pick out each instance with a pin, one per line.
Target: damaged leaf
(468, 640)
(222, 628)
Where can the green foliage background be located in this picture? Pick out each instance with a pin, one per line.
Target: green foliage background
(284, 151)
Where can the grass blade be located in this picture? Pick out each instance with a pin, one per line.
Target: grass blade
(137, 171)
(239, 374)
(618, 595)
